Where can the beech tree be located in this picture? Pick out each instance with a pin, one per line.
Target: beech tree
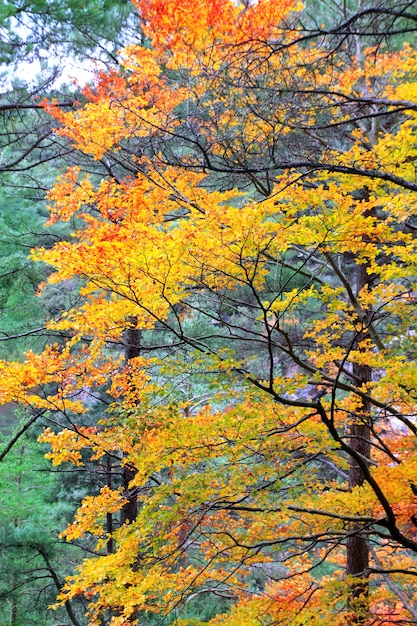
(252, 250)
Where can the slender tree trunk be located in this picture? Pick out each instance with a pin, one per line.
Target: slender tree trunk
(130, 509)
(13, 608)
(109, 516)
(58, 584)
(132, 338)
(129, 512)
(357, 557)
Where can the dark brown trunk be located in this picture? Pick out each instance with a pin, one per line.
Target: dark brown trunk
(109, 516)
(130, 509)
(357, 557)
(132, 337)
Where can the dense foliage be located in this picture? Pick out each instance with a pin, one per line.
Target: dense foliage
(237, 357)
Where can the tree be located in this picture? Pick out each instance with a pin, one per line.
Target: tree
(44, 37)
(37, 41)
(41, 37)
(34, 563)
(36, 30)
(257, 229)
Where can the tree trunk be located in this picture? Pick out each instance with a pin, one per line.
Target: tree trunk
(13, 608)
(130, 509)
(109, 516)
(132, 337)
(357, 557)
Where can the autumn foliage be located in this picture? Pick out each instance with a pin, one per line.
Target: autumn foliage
(255, 232)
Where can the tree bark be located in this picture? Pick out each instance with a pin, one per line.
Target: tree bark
(132, 338)
(357, 557)
(109, 516)
(357, 552)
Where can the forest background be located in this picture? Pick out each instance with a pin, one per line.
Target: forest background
(207, 313)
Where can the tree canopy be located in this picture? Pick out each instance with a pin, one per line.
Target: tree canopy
(242, 252)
